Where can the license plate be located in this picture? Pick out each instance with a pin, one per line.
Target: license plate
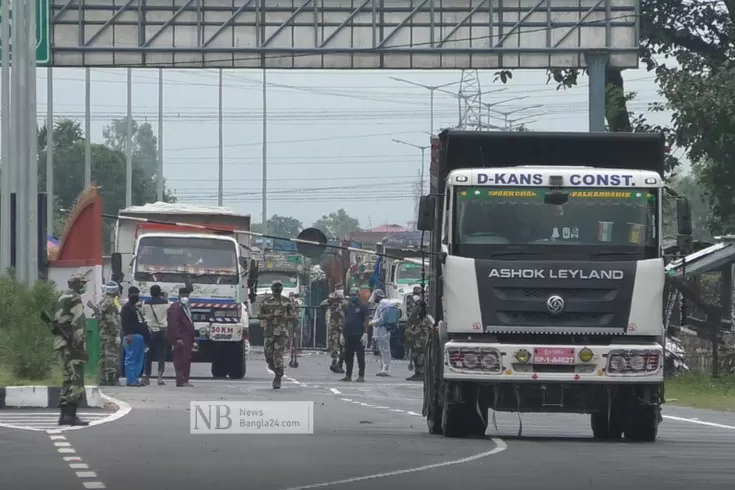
(553, 355)
(222, 330)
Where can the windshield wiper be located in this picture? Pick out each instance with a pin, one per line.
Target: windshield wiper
(609, 253)
(517, 252)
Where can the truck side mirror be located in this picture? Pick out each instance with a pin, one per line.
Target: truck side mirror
(116, 267)
(683, 216)
(243, 263)
(425, 219)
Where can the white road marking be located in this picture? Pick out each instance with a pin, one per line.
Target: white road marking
(72, 458)
(94, 484)
(86, 474)
(335, 391)
(58, 438)
(414, 413)
(700, 422)
(346, 399)
(66, 450)
(500, 446)
(78, 466)
(62, 444)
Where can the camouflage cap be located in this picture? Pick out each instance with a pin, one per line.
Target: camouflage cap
(277, 283)
(77, 279)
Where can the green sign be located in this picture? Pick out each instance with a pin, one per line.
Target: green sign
(294, 259)
(43, 32)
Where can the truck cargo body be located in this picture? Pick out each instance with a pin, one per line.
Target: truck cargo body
(547, 252)
(210, 260)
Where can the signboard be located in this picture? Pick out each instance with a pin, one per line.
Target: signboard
(43, 32)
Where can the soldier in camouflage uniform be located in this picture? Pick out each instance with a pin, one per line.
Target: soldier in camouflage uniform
(407, 340)
(335, 304)
(277, 312)
(109, 320)
(417, 335)
(71, 342)
(296, 329)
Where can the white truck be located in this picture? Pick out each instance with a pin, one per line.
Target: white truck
(547, 254)
(153, 245)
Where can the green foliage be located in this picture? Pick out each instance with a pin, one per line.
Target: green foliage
(25, 341)
(284, 226)
(339, 224)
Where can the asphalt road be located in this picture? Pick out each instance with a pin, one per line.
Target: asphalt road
(365, 436)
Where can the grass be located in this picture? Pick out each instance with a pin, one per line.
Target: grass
(702, 391)
(7, 378)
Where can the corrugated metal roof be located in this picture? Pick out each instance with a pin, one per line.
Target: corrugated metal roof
(179, 208)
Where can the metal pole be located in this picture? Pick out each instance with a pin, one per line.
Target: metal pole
(129, 145)
(5, 179)
(50, 151)
(32, 128)
(221, 174)
(20, 93)
(265, 154)
(423, 163)
(87, 128)
(596, 67)
(431, 117)
(160, 136)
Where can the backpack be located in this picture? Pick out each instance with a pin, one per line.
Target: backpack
(391, 317)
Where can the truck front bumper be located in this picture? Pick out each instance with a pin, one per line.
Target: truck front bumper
(514, 363)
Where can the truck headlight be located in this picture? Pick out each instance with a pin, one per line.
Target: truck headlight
(634, 361)
(480, 360)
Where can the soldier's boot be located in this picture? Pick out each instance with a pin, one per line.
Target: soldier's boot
(146, 380)
(64, 415)
(340, 369)
(74, 419)
(161, 382)
(277, 382)
(416, 377)
(360, 379)
(333, 367)
(346, 378)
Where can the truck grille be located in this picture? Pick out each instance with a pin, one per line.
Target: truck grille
(540, 293)
(536, 318)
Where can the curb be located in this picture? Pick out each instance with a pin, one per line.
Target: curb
(46, 397)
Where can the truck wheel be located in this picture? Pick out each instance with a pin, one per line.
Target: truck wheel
(641, 423)
(237, 362)
(219, 369)
(432, 382)
(603, 430)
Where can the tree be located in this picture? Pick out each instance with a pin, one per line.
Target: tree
(145, 143)
(284, 226)
(338, 224)
(689, 186)
(108, 172)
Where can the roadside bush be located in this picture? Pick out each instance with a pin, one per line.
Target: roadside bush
(26, 345)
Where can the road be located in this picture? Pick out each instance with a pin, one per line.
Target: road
(365, 435)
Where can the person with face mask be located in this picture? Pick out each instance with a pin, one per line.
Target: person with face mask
(277, 312)
(335, 304)
(408, 340)
(380, 331)
(72, 349)
(354, 336)
(181, 336)
(109, 327)
(135, 334)
(418, 327)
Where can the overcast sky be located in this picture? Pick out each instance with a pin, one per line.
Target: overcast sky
(329, 132)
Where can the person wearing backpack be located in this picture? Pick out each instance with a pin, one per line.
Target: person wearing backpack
(156, 309)
(384, 322)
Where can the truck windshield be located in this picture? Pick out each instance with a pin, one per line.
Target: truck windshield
(616, 224)
(288, 279)
(178, 258)
(408, 273)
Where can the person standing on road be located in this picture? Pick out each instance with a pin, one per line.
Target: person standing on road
(354, 336)
(335, 319)
(380, 331)
(109, 321)
(136, 334)
(181, 337)
(295, 338)
(72, 347)
(419, 326)
(156, 308)
(277, 312)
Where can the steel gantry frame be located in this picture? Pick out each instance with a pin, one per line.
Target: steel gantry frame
(354, 34)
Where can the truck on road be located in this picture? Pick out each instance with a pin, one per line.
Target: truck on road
(153, 245)
(548, 279)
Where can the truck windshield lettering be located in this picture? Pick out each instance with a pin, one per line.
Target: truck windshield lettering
(613, 180)
(502, 178)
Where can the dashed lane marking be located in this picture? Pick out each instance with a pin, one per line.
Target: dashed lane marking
(700, 422)
(89, 478)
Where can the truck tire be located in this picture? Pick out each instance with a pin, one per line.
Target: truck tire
(237, 361)
(432, 385)
(603, 430)
(219, 368)
(641, 423)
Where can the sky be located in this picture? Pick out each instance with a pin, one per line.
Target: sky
(329, 133)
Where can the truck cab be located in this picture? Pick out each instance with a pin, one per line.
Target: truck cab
(549, 280)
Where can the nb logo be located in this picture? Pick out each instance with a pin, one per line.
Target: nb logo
(555, 304)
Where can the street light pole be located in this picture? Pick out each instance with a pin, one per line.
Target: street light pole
(431, 89)
(423, 159)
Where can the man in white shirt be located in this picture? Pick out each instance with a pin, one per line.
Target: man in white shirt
(156, 309)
